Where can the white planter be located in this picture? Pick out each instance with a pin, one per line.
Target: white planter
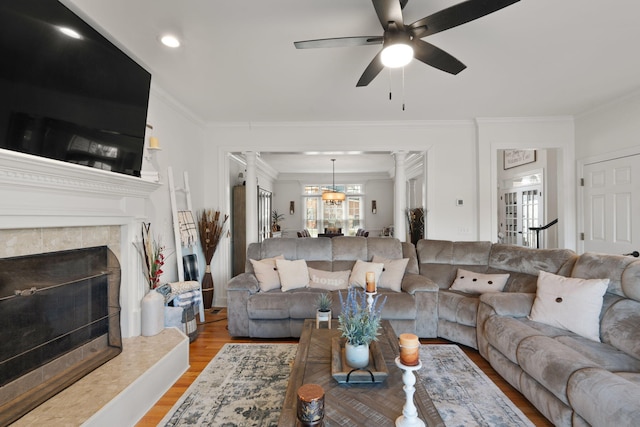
(357, 355)
(152, 307)
(323, 316)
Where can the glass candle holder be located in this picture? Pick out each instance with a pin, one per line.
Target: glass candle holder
(310, 408)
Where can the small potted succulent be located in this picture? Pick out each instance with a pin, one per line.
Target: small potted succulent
(359, 323)
(323, 309)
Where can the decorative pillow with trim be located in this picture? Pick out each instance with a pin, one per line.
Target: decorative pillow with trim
(293, 274)
(359, 271)
(570, 303)
(328, 280)
(392, 272)
(478, 283)
(267, 273)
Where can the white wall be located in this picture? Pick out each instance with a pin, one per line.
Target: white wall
(611, 128)
(181, 139)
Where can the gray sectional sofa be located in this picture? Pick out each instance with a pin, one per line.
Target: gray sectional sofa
(571, 379)
(276, 314)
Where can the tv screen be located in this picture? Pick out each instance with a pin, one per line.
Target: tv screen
(66, 92)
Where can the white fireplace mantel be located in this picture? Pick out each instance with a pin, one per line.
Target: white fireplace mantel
(36, 192)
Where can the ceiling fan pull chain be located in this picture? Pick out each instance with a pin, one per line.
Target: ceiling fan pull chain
(389, 80)
(402, 88)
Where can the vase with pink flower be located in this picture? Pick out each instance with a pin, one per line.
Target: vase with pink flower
(152, 304)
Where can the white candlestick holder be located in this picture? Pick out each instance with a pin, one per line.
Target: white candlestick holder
(409, 417)
(370, 296)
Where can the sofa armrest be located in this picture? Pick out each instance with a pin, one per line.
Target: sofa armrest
(244, 282)
(514, 304)
(412, 283)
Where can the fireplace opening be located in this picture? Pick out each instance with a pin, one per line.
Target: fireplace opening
(61, 319)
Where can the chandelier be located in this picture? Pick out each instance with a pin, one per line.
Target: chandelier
(333, 197)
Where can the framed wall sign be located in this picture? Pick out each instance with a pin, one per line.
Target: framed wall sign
(513, 158)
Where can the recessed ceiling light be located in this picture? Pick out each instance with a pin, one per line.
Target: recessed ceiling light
(70, 32)
(170, 41)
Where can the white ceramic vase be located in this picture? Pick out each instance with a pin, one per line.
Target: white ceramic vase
(152, 308)
(357, 355)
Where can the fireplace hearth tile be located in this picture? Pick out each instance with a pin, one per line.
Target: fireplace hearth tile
(78, 403)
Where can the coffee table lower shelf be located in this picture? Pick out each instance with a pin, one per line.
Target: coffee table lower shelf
(352, 404)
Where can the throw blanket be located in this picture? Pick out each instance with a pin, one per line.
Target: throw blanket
(188, 230)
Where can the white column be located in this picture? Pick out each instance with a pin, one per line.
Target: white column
(400, 198)
(251, 198)
(413, 196)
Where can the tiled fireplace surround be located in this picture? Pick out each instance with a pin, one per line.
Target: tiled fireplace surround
(48, 206)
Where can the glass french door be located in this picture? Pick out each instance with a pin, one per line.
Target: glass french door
(522, 210)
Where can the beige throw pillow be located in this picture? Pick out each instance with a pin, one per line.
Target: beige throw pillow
(293, 274)
(392, 272)
(478, 283)
(328, 280)
(570, 303)
(266, 272)
(359, 271)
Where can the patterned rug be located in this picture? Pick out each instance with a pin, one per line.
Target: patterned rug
(463, 394)
(244, 385)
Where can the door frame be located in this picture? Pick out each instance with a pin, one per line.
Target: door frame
(581, 163)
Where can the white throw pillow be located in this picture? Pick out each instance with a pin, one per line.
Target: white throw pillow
(359, 272)
(392, 272)
(328, 280)
(267, 273)
(478, 283)
(570, 303)
(293, 274)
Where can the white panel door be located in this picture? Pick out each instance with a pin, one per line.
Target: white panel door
(612, 206)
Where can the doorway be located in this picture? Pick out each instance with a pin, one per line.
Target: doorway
(522, 209)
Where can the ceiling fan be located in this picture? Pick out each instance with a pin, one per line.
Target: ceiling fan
(401, 43)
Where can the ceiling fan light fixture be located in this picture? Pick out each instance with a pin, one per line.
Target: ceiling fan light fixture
(397, 50)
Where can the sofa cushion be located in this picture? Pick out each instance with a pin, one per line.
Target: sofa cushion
(269, 305)
(457, 307)
(266, 272)
(570, 303)
(605, 355)
(293, 274)
(392, 272)
(360, 269)
(478, 283)
(593, 266)
(328, 280)
(551, 364)
(621, 326)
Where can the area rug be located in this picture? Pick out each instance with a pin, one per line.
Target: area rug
(462, 393)
(244, 385)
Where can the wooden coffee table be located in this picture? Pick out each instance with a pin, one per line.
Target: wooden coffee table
(376, 404)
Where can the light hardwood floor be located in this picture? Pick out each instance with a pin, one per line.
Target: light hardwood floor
(213, 335)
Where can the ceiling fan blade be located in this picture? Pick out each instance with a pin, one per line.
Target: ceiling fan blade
(456, 15)
(389, 11)
(338, 42)
(372, 70)
(436, 57)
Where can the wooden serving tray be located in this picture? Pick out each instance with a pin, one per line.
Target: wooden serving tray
(376, 372)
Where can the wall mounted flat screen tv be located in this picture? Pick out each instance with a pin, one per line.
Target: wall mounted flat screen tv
(66, 92)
